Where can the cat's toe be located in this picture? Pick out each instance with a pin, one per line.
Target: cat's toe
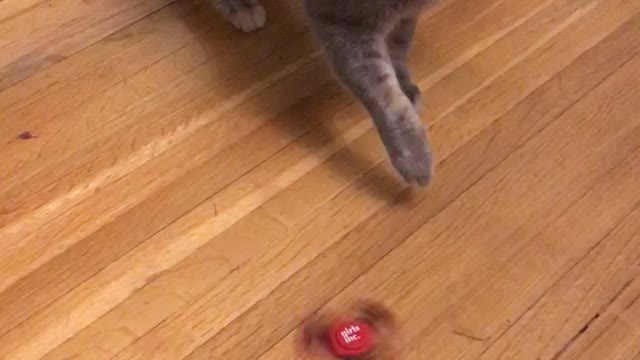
(249, 19)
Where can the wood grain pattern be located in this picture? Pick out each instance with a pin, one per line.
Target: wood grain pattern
(173, 189)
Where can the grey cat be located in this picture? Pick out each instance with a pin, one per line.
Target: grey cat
(367, 42)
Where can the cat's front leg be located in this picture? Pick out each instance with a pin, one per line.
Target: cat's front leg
(245, 15)
(361, 60)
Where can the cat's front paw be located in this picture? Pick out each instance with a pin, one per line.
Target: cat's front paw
(415, 168)
(412, 157)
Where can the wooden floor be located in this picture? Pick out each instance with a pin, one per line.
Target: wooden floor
(173, 189)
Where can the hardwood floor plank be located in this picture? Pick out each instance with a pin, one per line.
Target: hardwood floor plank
(577, 300)
(50, 32)
(484, 312)
(614, 335)
(70, 83)
(163, 113)
(516, 83)
(122, 225)
(188, 145)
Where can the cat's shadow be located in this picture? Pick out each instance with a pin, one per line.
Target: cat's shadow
(286, 41)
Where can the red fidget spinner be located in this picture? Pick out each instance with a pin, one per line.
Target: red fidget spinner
(366, 333)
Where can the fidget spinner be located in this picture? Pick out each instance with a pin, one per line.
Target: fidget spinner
(365, 333)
